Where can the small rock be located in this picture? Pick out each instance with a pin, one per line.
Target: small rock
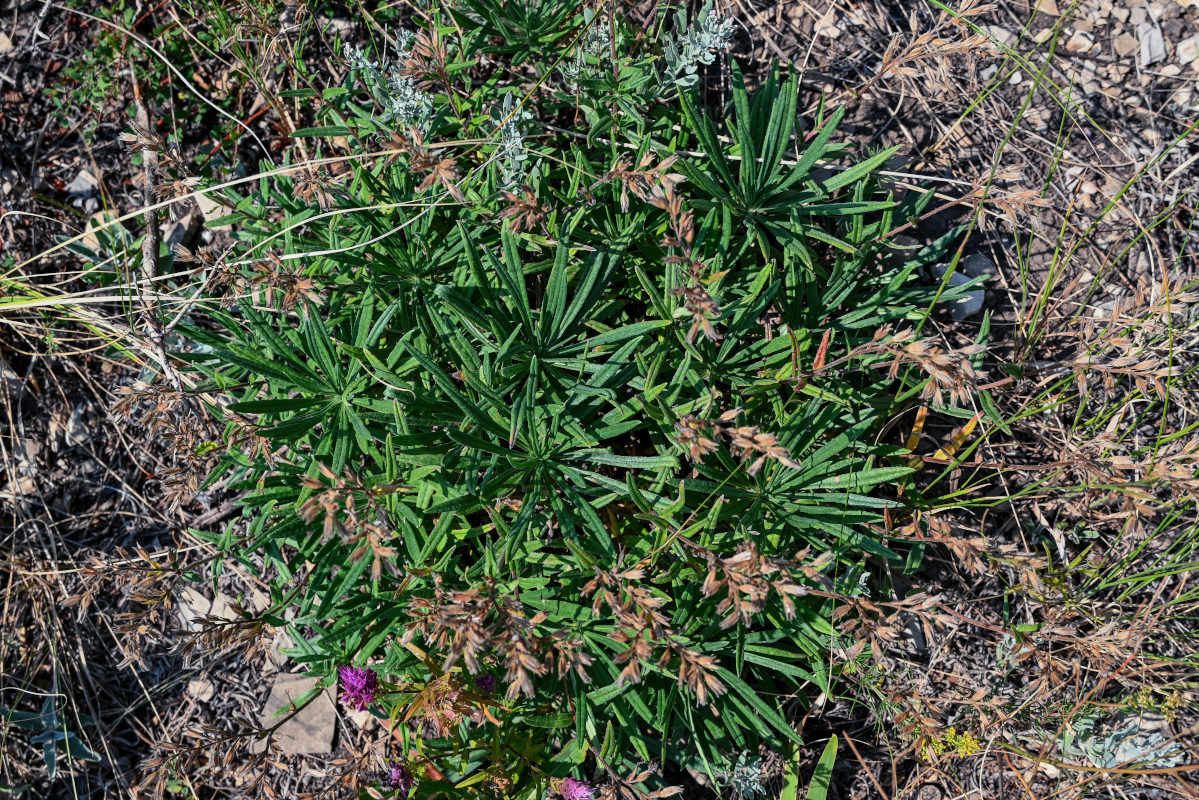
(1079, 42)
(84, 191)
(76, 432)
(222, 607)
(1048, 7)
(1126, 44)
(1141, 263)
(340, 25)
(259, 601)
(362, 719)
(968, 304)
(281, 642)
(1120, 13)
(828, 31)
(1153, 46)
(1038, 118)
(85, 185)
(27, 451)
(181, 231)
(201, 689)
(1138, 16)
(211, 209)
(308, 732)
(17, 488)
(1104, 310)
(1171, 70)
(1187, 51)
(1016, 79)
(978, 265)
(90, 239)
(1005, 38)
(5, 43)
(192, 607)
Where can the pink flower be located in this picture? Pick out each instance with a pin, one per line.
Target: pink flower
(400, 779)
(359, 685)
(571, 789)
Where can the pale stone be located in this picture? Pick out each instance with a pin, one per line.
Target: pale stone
(828, 31)
(85, 184)
(1153, 46)
(192, 607)
(1187, 51)
(1079, 43)
(969, 303)
(77, 431)
(201, 689)
(1126, 44)
(211, 208)
(19, 487)
(181, 231)
(1005, 37)
(90, 238)
(308, 732)
(978, 265)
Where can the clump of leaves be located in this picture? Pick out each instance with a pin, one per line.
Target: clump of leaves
(582, 414)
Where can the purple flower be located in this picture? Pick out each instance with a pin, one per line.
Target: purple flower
(400, 779)
(571, 789)
(485, 682)
(359, 685)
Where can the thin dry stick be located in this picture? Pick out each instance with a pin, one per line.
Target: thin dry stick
(151, 241)
(869, 774)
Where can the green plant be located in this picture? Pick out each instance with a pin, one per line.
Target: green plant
(84, 91)
(822, 776)
(505, 400)
(49, 731)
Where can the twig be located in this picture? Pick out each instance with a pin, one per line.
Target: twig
(37, 28)
(214, 515)
(869, 773)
